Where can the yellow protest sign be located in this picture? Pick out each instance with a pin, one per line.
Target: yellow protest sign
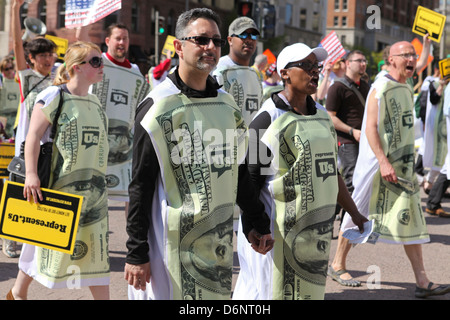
(52, 223)
(429, 21)
(168, 46)
(61, 45)
(444, 67)
(6, 155)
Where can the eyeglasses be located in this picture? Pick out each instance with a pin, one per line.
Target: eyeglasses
(95, 62)
(8, 69)
(305, 65)
(359, 60)
(407, 55)
(203, 41)
(246, 35)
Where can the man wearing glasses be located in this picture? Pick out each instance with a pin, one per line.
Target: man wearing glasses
(234, 71)
(386, 187)
(188, 144)
(345, 104)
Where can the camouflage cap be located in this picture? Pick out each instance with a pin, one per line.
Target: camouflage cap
(241, 24)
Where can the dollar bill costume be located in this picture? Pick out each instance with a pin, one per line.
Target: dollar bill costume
(122, 89)
(187, 149)
(299, 188)
(78, 165)
(243, 84)
(395, 207)
(9, 103)
(434, 146)
(31, 84)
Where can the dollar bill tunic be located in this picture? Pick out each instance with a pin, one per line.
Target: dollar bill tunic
(123, 87)
(434, 145)
(395, 207)
(243, 84)
(187, 149)
(9, 103)
(78, 165)
(299, 188)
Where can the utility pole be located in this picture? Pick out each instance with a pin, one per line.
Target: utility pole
(156, 37)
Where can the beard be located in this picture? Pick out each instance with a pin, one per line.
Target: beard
(207, 65)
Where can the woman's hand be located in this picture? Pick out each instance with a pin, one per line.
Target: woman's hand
(32, 187)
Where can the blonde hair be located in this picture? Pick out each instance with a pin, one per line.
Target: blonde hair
(75, 55)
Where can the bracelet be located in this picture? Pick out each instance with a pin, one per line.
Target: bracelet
(350, 132)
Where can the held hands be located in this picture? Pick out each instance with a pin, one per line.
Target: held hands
(260, 243)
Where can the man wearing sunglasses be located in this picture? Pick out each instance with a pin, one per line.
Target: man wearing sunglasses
(122, 89)
(234, 71)
(188, 143)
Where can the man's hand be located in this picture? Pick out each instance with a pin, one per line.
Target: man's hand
(260, 243)
(138, 275)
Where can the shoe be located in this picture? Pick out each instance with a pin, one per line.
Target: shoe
(10, 296)
(439, 291)
(438, 212)
(336, 276)
(9, 249)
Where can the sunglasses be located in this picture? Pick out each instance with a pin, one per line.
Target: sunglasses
(95, 62)
(305, 65)
(203, 41)
(8, 69)
(246, 35)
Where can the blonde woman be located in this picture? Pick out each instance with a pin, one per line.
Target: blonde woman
(80, 155)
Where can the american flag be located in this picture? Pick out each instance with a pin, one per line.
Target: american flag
(84, 12)
(333, 46)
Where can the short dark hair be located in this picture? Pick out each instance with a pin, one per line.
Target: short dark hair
(113, 26)
(36, 46)
(186, 17)
(352, 53)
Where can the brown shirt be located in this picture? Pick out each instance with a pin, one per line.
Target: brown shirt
(348, 107)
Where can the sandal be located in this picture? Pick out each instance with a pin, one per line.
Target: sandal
(423, 293)
(10, 296)
(336, 276)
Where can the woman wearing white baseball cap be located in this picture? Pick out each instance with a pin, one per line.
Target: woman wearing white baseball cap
(299, 185)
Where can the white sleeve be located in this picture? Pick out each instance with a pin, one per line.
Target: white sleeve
(46, 96)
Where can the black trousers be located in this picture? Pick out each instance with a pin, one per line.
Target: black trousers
(437, 192)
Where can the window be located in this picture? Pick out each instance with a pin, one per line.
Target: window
(344, 5)
(2, 15)
(303, 18)
(42, 11)
(61, 13)
(23, 14)
(336, 21)
(288, 20)
(171, 20)
(344, 21)
(135, 17)
(336, 5)
(111, 19)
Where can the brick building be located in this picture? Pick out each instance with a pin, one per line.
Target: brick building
(138, 15)
(351, 20)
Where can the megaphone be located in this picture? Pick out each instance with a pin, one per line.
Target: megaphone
(33, 28)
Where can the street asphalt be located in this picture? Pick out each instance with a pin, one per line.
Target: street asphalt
(383, 269)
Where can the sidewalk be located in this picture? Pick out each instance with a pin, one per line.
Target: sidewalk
(393, 278)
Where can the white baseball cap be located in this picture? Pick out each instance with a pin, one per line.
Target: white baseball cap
(297, 52)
